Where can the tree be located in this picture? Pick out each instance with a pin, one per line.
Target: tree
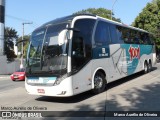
(149, 19)
(26, 38)
(9, 38)
(102, 12)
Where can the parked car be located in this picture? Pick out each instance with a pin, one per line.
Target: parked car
(18, 75)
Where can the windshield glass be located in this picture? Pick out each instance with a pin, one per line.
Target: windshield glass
(48, 51)
(21, 70)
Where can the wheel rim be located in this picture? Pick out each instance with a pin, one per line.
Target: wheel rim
(98, 82)
(145, 67)
(150, 66)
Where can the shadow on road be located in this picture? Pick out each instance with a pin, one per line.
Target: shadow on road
(126, 79)
(147, 99)
(73, 99)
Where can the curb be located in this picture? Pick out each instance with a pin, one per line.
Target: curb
(7, 76)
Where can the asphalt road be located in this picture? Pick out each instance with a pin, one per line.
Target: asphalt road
(138, 92)
(7, 84)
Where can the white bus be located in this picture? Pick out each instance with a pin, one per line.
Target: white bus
(78, 53)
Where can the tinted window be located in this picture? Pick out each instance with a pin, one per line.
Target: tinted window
(120, 34)
(131, 36)
(82, 43)
(21, 70)
(102, 34)
(113, 33)
(146, 39)
(151, 39)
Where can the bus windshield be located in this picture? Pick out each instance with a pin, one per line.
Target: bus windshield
(47, 52)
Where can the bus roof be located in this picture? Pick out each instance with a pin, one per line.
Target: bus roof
(71, 17)
(66, 19)
(121, 24)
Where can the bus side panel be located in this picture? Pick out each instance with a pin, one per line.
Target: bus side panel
(117, 62)
(82, 79)
(136, 55)
(100, 56)
(100, 64)
(154, 59)
(146, 55)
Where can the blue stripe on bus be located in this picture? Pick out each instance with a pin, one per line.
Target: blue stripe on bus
(37, 78)
(101, 52)
(133, 55)
(33, 78)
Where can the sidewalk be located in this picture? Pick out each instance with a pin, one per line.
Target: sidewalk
(4, 76)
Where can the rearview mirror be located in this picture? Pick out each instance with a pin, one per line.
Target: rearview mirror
(71, 29)
(74, 29)
(21, 41)
(62, 37)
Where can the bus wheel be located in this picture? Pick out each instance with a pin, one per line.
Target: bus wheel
(99, 83)
(149, 67)
(145, 68)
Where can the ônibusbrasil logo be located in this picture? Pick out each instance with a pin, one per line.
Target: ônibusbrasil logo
(134, 52)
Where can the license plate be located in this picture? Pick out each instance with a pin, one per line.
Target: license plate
(15, 76)
(41, 91)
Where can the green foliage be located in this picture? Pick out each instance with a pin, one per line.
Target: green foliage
(9, 39)
(149, 19)
(25, 44)
(102, 12)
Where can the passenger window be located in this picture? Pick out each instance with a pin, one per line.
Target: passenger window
(120, 34)
(147, 39)
(102, 34)
(137, 38)
(113, 33)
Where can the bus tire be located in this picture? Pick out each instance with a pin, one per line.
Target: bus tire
(145, 68)
(99, 83)
(150, 66)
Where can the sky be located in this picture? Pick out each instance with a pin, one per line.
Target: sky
(41, 11)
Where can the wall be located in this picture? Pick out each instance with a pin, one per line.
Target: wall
(8, 67)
